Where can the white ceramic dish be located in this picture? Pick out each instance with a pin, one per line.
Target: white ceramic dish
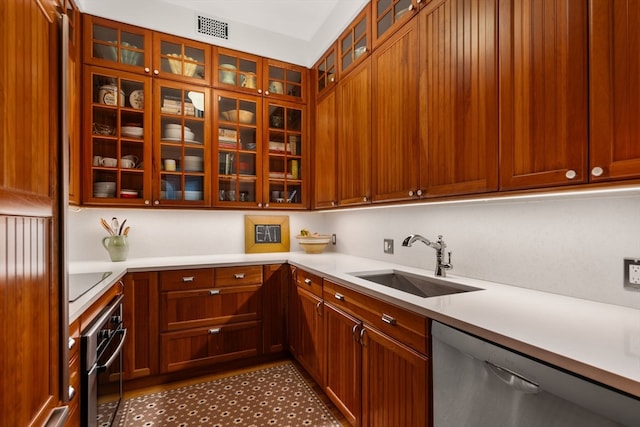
(136, 99)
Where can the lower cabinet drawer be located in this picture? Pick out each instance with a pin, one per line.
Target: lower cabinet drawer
(74, 382)
(205, 346)
(191, 309)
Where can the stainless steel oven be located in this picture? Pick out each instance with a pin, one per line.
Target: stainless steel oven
(101, 368)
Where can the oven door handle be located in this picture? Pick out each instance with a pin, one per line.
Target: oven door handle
(116, 353)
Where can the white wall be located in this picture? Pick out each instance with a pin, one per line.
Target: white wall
(566, 246)
(164, 232)
(570, 246)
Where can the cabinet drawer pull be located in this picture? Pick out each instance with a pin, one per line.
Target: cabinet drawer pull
(354, 333)
(307, 282)
(188, 279)
(71, 343)
(239, 276)
(362, 334)
(214, 331)
(72, 393)
(389, 319)
(339, 297)
(214, 292)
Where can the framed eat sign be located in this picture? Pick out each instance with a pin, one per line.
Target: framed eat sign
(264, 233)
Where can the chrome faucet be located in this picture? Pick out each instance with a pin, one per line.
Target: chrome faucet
(439, 246)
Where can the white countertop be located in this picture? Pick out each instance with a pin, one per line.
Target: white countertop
(597, 340)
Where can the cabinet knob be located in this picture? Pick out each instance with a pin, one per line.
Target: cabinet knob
(334, 203)
(411, 193)
(412, 7)
(72, 392)
(307, 282)
(156, 72)
(419, 192)
(597, 171)
(156, 202)
(332, 79)
(266, 92)
(147, 69)
(259, 90)
(147, 202)
(266, 205)
(259, 205)
(365, 199)
(571, 174)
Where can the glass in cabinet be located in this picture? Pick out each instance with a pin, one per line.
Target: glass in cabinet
(180, 59)
(238, 144)
(354, 41)
(285, 81)
(388, 13)
(237, 70)
(284, 129)
(181, 149)
(118, 134)
(113, 44)
(326, 70)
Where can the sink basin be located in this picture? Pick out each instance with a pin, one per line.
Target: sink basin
(421, 286)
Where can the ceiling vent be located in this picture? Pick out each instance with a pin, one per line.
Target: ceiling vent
(213, 27)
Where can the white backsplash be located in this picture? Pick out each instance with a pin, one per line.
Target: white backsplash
(569, 246)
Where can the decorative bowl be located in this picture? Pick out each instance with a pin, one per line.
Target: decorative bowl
(242, 116)
(313, 244)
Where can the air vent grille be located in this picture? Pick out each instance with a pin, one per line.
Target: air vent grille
(213, 27)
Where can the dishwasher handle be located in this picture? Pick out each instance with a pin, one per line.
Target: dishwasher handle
(513, 379)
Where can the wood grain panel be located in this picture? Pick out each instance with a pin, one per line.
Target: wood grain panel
(614, 84)
(325, 153)
(543, 92)
(395, 383)
(310, 349)
(396, 116)
(354, 136)
(459, 108)
(274, 307)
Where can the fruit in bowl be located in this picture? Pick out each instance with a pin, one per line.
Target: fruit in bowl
(313, 243)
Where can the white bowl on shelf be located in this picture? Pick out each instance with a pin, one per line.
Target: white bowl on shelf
(193, 164)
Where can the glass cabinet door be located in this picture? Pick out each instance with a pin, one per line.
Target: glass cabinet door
(354, 42)
(181, 145)
(180, 59)
(238, 144)
(389, 12)
(326, 71)
(113, 44)
(283, 158)
(118, 154)
(285, 81)
(237, 71)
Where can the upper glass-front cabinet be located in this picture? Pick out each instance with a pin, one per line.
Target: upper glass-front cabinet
(180, 59)
(354, 42)
(388, 14)
(285, 81)
(237, 71)
(112, 44)
(326, 70)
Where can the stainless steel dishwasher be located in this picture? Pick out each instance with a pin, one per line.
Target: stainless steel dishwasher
(480, 384)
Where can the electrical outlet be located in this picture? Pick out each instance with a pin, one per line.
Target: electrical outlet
(333, 239)
(388, 246)
(632, 274)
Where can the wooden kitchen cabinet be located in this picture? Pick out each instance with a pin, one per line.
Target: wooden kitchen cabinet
(395, 117)
(116, 45)
(325, 153)
(343, 374)
(326, 71)
(238, 71)
(180, 59)
(307, 324)
(181, 135)
(74, 375)
(140, 316)
(117, 125)
(543, 93)
(354, 44)
(353, 97)
(389, 15)
(275, 307)
(382, 365)
(459, 97)
(285, 81)
(209, 316)
(614, 84)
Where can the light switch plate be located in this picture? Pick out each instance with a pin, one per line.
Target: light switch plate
(632, 274)
(388, 246)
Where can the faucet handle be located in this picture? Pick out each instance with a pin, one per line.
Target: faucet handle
(448, 265)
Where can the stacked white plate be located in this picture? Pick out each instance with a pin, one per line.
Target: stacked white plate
(132, 131)
(193, 164)
(174, 131)
(104, 189)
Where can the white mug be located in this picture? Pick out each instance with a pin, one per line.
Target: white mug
(97, 160)
(127, 163)
(131, 157)
(109, 162)
(169, 165)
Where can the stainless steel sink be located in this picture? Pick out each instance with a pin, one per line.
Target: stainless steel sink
(421, 286)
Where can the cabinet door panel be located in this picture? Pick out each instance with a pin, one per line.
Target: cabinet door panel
(354, 136)
(614, 86)
(344, 355)
(395, 117)
(325, 153)
(543, 93)
(460, 92)
(274, 310)
(310, 348)
(395, 383)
